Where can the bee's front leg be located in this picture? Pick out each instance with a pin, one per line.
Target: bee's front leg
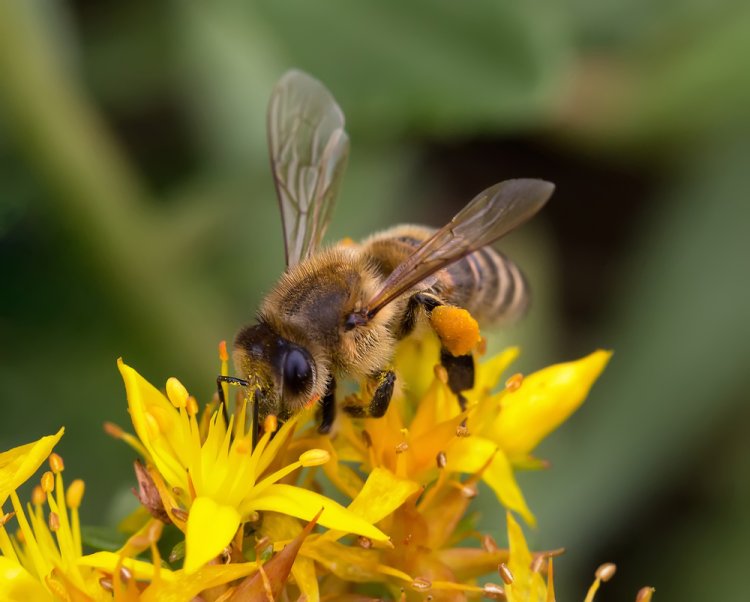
(327, 408)
(381, 398)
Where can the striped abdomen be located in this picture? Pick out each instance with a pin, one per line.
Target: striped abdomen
(486, 283)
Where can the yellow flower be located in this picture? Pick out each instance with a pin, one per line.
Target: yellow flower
(216, 476)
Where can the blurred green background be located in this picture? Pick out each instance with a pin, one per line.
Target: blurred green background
(137, 219)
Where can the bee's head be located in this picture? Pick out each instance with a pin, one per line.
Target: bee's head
(282, 373)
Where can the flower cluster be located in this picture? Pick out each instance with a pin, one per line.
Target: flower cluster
(257, 519)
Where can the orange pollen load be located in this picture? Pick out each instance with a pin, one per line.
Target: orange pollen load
(456, 327)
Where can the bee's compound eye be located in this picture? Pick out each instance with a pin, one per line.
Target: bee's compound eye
(297, 371)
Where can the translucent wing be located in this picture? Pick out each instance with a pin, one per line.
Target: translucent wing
(489, 216)
(309, 148)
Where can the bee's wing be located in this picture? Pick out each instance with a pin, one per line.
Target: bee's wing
(491, 214)
(309, 149)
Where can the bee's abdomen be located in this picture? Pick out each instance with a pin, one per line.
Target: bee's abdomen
(488, 284)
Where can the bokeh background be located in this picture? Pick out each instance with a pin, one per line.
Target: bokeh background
(137, 219)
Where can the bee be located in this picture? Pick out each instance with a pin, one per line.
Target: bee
(340, 310)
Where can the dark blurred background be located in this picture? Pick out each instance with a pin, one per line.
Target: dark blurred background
(137, 219)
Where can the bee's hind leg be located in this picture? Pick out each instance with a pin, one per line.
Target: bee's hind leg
(327, 409)
(381, 397)
(460, 369)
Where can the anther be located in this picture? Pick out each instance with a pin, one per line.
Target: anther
(56, 463)
(537, 564)
(177, 393)
(74, 495)
(493, 591)
(645, 594)
(364, 542)
(270, 424)
(469, 492)
(243, 446)
(191, 406)
(223, 355)
(441, 459)
(154, 531)
(366, 438)
(5, 518)
(514, 382)
(462, 430)
(48, 482)
(106, 584)
(402, 447)
(441, 373)
(505, 573)
(125, 574)
(113, 430)
(53, 521)
(606, 571)
(262, 544)
(421, 584)
(489, 544)
(180, 514)
(38, 497)
(314, 457)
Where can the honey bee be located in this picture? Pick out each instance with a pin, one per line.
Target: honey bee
(340, 310)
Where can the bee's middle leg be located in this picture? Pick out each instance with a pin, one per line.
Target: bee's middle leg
(381, 398)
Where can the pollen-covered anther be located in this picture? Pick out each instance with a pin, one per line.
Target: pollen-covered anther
(177, 393)
(441, 373)
(505, 573)
(441, 459)
(514, 382)
(420, 584)
(402, 447)
(645, 594)
(53, 521)
(314, 457)
(48, 482)
(462, 430)
(5, 518)
(606, 571)
(493, 591)
(270, 424)
(74, 494)
(38, 497)
(364, 542)
(56, 463)
(113, 430)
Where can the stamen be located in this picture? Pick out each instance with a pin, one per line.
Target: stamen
(364, 542)
(493, 591)
(243, 445)
(113, 430)
(441, 459)
(106, 584)
(56, 463)
(462, 430)
(177, 393)
(505, 573)
(74, 494)
(514, 382)
(441, 373)
(53, 521)
(314, 457)
(5, 518)
(645, 594)
(537, 564)
(38, 497)
(421, 584)
(606, 571)
(48, 482)
(489, 544)
(402, 447)
(270, 424)
(180, 514)
(223, 355)
(125, 574)
(192, 407)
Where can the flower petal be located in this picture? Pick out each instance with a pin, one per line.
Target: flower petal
(528, 585)
(109, 561)
(18, 585)
(382, 493)
(305, 504)
(210, 527)
(544, 400)
(187, 587)
(499, 476)
(17, 465)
